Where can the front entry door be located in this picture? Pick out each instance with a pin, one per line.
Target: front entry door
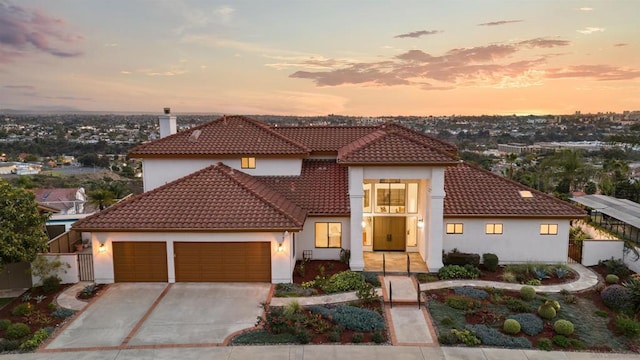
(389, 233)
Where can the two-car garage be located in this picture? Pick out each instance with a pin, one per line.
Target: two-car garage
(193, 261)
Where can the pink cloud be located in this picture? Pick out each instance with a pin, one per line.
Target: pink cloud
(24, 29)
(597, 72)
(417, 34)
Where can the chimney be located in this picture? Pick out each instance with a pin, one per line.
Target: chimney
(167, 123)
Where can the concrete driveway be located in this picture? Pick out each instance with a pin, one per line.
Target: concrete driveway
(138, 314)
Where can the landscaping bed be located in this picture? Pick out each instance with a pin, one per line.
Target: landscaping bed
(358, 322)
(473, 316)
(29, 319)
(90, 291)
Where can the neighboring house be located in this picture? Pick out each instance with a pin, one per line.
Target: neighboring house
(71, 205)
(239, 200)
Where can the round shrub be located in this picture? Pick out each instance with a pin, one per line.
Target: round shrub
(17, 331)
(554, 303)
(4, 324)
(51, 284)
(511, 326)
(527, 293)
(563, 327)
(616, 297)
(545, 344)
(22, 309)
(343, 281)
(547, 311)
(612, 279)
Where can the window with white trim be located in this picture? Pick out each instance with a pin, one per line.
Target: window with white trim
(548, 229)
(328, 235)
(455, 228)
(493, 229)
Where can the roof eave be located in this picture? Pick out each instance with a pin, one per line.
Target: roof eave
(370, 163)
(521, 216)
(182, 230)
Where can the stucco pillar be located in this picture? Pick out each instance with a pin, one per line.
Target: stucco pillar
(171, 262)
(356, 193)
(436, 220)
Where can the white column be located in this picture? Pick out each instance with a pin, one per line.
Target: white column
(435, 220)
(356, 194)
(171, 264)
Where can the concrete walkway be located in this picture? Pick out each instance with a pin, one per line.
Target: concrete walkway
(317, 352)
(67, 299)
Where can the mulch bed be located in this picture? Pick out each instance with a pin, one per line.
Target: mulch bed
(320, 268)
(86, 296)
(40, 316)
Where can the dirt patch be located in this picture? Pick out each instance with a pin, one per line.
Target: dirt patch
(309, 270)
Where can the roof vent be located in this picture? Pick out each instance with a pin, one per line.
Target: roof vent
(195, 135)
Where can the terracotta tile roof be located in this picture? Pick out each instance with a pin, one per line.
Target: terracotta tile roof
(62, 199)
(325, 138)
(322, 187)
(217, 198)
(386, 146)
(229, 135)
(472, 191)
(332, 138)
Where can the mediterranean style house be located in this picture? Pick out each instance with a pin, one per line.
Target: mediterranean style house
(236, 199)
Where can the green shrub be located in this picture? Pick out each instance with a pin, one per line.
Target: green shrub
(517, 305)
(466, 337)
(529, 323)
(378, 337)
(616, 297)
(561, 272)
(22, 309)
(460, 302)
(4, 324)
(448, 338)
(9, 345)
(563, 327)
(303, 336)
(447, 321)
(471, 292)
(276, 322)
(627, 326)
(426, 278)
(490, 261)
(545, 344)
(263, 337)
(35, 341)
(334, 336)
(612, 279)
(534, 282)
(343, 281)
(511, 326)
(352, 318)
(547, 311)
(367, 293)
(527, 293)
(554, 303)
(562, 341)
(633, 286)
(509, 277)
(458, 272)
(460, 258)
(616, 267)
(492, 337)
(17, 331)
(357, 338)
(51, 284)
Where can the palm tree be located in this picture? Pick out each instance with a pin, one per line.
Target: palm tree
(101, 198)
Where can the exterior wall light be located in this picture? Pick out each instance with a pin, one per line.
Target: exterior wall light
(420, 223)
(102, 248)
(281, 241)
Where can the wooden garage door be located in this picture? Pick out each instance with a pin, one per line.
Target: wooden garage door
(223, 261)
(140, 261)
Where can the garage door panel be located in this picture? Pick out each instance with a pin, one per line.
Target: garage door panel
(223, 261)
(140, 261)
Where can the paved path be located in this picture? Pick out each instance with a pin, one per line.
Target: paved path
(67, 299)
(319, 352)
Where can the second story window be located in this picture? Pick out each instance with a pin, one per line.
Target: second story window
(493, 228)
(548, 229)
(248, 163)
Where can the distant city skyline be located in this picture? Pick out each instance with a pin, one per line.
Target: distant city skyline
(360, 58)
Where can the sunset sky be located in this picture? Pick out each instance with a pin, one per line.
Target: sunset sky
(319, 57)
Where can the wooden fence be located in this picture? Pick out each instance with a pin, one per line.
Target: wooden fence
(64, 243)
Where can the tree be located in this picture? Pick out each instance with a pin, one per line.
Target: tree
(101, 198)
(22, 234)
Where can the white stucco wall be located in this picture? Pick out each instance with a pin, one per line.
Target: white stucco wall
(68, 272)
(157, 172)
(632, 262)
(281, 261)
(306, 238)
(520, 241)
(595, 250)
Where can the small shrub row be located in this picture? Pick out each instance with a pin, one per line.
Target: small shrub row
(35, 341)
(459, 258)
(458, 272)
